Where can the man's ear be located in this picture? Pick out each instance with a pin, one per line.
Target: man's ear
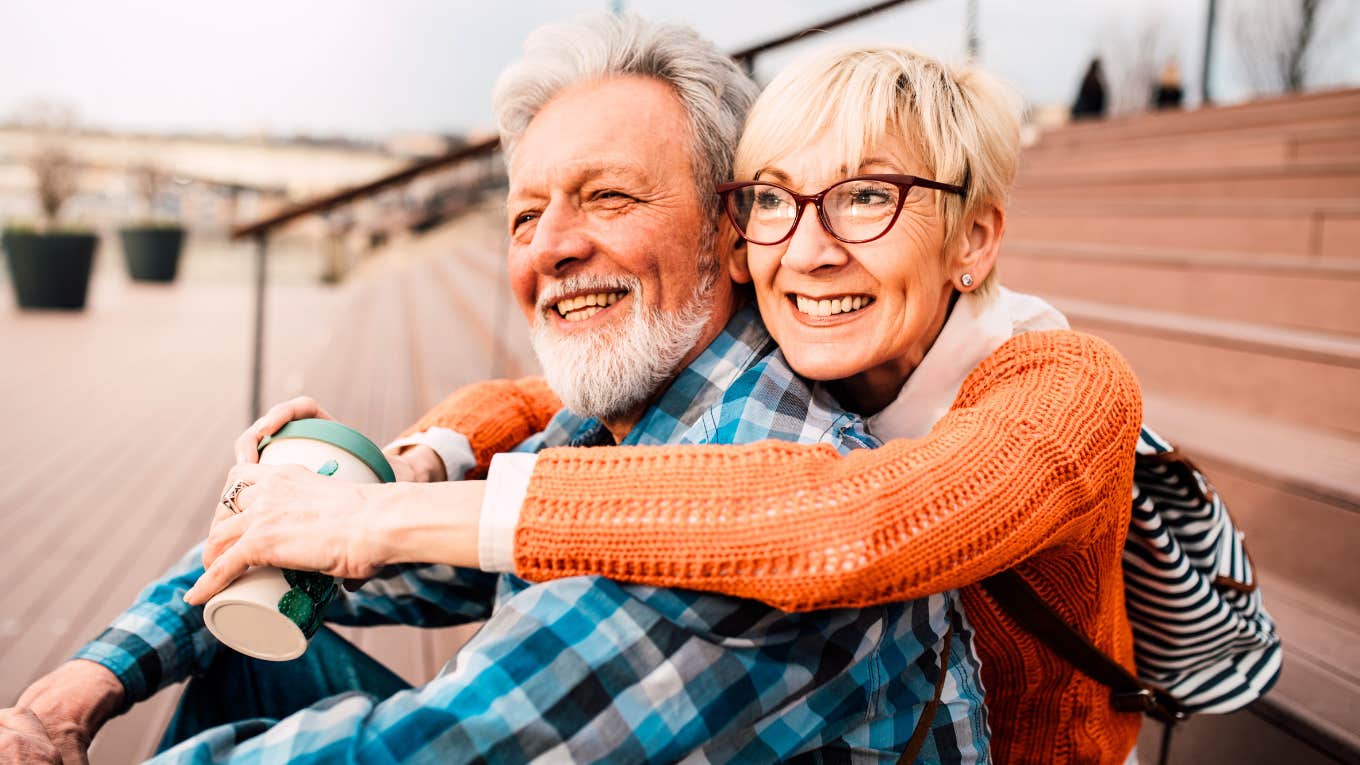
(737, 266)
(977, 248)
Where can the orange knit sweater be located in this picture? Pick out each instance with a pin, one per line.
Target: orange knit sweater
(1031, 469)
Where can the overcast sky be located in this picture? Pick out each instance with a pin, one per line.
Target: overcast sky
(370, 68)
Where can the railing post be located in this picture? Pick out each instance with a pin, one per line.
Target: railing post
(261, 258)
(1205, 99)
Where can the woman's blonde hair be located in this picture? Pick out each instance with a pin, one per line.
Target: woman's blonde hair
(963, 123)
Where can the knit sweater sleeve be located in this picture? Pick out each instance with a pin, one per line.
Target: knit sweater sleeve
(1039, 437)
(495, 416)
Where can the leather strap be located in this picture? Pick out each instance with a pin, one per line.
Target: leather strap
(1128, 693)
(923, 725)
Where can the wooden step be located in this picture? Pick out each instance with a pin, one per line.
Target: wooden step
(1328, 180)
(1306, 378)
(1277, 290)
(1294, 492)
(1310, 716)
(1294, 489)
(1321, 680)
(1328, 228)
(1264, 733)
(1287, 146)
(1320, 149)
(1287, 110)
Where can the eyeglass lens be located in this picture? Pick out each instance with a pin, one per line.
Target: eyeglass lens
(855, 210)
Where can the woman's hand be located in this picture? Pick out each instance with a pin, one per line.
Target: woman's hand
(293, 518)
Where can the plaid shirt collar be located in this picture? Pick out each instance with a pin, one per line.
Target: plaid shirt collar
(697, 389)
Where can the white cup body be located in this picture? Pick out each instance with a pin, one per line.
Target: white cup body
(245, 614)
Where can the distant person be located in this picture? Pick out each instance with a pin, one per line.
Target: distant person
(1090, 103)
(1168, 93)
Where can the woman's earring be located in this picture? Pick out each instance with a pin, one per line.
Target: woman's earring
(966, 280)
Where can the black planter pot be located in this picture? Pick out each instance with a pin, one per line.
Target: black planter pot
(152, 253)
(49, 270)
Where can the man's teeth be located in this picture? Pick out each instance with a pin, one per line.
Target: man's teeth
(832, 306)
(583, 307)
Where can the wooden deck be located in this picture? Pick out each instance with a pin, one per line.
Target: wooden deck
(119, 423)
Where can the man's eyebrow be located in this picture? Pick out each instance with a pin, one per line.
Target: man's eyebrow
(584, 169)
(520, 196)
(577, 172)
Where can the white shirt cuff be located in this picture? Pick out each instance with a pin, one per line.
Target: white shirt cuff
(451, 446)
(507, 483)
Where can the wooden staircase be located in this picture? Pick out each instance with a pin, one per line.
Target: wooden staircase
(1216, 250)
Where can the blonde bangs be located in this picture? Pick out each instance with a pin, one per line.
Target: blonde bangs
(829, 93)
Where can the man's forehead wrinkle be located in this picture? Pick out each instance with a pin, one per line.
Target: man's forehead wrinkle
(588, 168)
(579, 170)
(520, 195)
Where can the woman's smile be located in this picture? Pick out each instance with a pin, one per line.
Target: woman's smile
(823, 309)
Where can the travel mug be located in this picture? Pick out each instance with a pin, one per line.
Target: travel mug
(271, 613)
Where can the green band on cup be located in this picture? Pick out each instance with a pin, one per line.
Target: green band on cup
(335, 434)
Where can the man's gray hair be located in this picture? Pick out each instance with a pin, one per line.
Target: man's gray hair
(715, 92)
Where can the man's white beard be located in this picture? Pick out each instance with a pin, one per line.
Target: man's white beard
(609, 372)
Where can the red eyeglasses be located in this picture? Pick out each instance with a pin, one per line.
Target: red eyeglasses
(855, 210)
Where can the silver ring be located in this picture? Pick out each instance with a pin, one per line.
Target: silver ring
(229, 498)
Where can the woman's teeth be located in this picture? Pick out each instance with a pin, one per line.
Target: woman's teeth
(583, 307)
(831, 306)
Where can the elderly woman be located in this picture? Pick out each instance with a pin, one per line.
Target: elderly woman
(872, 206)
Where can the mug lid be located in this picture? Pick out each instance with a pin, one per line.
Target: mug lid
(335, 434)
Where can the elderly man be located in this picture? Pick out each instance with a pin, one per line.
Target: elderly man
(616, 131)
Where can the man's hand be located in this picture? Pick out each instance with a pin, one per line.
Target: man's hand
(419, 464)
(71, 703)
(410, 463)
(23, 739)
(247, 445)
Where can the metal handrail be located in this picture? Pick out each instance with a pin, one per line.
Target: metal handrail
(345, 196)
(747, 55)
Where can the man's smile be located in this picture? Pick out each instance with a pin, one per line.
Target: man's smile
(584, 306)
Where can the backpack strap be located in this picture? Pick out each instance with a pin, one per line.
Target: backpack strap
(1128, 693)
(923, 725)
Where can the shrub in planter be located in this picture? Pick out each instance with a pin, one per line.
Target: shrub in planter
(152, 252)
(50, 267)
(49, 270)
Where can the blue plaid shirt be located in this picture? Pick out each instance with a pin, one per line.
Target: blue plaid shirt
(587, 669)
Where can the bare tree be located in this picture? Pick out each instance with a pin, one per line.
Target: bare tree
(148, 179)
(1282, 42)
(1133, 56)
(54, 169)
(54, 172)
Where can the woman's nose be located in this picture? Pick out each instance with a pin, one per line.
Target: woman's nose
(560, 240)
(811, 247)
